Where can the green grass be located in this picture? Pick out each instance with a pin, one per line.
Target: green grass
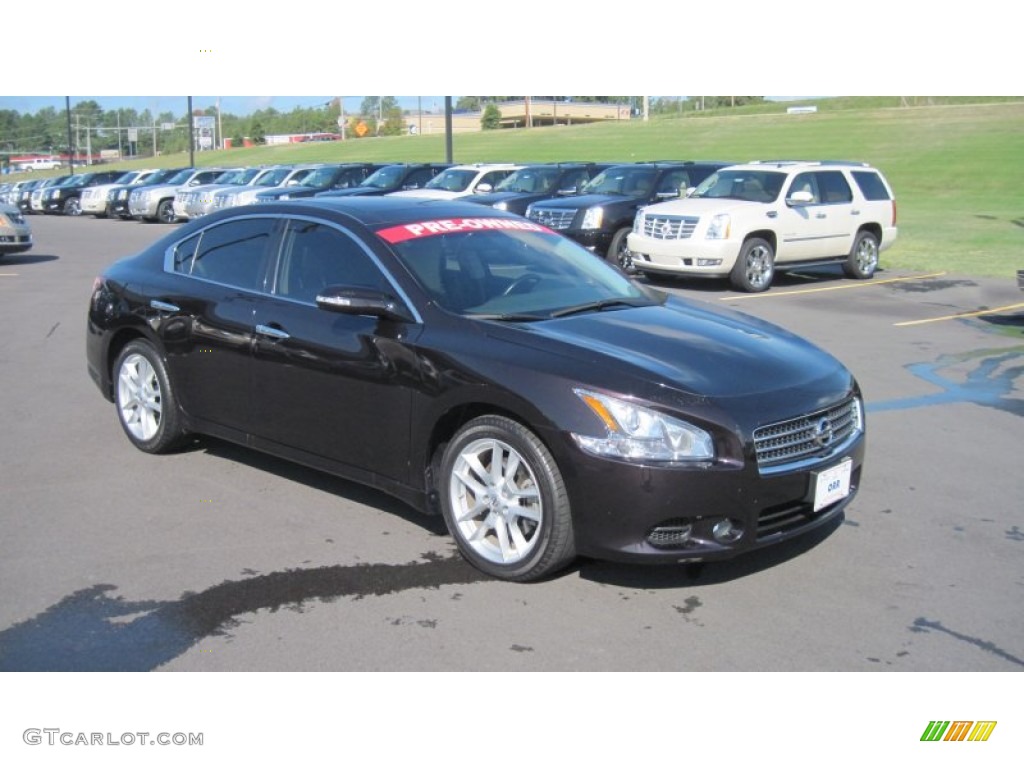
(956, 168)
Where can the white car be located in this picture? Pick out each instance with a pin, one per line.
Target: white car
(94, 199)
(748, 221)
(283, 176)
(461, 180)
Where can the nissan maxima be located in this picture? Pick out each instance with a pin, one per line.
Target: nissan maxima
(480, 366)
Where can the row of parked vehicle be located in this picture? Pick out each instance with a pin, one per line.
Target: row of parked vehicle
(664, 218)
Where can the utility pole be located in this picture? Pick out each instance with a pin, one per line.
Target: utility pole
(448, 129)
(71, 152)
(191, 136)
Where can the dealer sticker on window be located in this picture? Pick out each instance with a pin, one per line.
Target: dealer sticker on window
(832, 485)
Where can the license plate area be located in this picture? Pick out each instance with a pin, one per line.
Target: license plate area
(831, 485)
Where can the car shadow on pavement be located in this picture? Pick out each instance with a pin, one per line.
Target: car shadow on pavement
(23, 259)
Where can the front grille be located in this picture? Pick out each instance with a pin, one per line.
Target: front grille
(669, 227)
(553, 218)
(806, 436)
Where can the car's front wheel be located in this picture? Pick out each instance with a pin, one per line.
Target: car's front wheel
(165, 212)
(755, 266)
(863, 259)
(146, 405)
(504, 500)
(619, 253)
(72, 207)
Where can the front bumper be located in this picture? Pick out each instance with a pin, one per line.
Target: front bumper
(15, 241)
(596, 240)
(684, 257)
(632, 513)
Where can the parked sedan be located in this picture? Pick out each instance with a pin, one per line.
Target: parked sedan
(479, 366)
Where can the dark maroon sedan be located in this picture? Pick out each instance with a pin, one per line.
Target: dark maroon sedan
(477, 365)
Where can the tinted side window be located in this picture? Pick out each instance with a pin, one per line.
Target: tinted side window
(833, 187)
(234, 253)
(805, 182)
(315, 255)
(871, 185)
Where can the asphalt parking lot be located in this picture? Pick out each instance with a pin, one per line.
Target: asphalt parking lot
(218, 558)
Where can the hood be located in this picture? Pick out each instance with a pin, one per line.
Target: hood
(575, 202)
(353, 192)
(704, 206)
(429, 194)
(696, 349)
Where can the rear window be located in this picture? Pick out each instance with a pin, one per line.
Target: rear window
(871, 185)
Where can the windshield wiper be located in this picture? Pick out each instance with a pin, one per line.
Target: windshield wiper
(600, 306)
(510, 317)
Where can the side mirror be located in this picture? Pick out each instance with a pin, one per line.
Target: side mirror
(347, 300)
(567, 192)
(483, 189)
(670, 194)
(801, 197)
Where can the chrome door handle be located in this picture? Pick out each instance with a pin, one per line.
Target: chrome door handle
(274, 333)
(163, 306)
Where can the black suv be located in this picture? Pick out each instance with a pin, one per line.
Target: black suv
(391, 178)
(117, 198)
(336, 176)
(601, 216)
(538, 182)
(66, 198)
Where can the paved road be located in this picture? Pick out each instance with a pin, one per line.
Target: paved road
(223, 559)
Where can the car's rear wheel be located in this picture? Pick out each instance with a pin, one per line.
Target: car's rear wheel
(755, 266)
(863, 259)
(146, 405)
(504, 500)
(619, 253)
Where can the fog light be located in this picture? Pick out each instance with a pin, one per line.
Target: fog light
(708, 262)
(726, 531)
(670, 534)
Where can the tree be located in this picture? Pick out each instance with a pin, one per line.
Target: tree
(491, 117)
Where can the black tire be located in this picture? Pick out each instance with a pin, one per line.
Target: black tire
(146, 405)
(72, 207)
(755, 266)
(863, 259)
(165, 212)
(495, 537)
(619, 253)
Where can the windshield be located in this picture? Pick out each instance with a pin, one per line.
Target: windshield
(228, 177)
(752, 186)
(517, 271)
(622, 180)
(72, 181)
(451, 180)
(127, 178)
(272, 177)
(181, 177)
(388, 177)
(321, 178)
(529, 180)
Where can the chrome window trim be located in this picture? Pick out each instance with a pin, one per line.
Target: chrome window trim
(399, 292)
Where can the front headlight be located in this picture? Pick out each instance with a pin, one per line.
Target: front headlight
(719, 227)
(502, 206)
(638, 221)
(55, 195)
(636, 433)
(593, 217)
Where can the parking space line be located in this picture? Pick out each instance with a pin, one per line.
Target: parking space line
(843, 287)
(8, 274)
(957, 316)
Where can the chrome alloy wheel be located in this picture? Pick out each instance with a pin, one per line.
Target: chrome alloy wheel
(759, 266)
(138, 397)
(866, 255)
(496, 501)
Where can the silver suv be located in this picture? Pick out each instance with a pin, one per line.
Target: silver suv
(748, 221)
